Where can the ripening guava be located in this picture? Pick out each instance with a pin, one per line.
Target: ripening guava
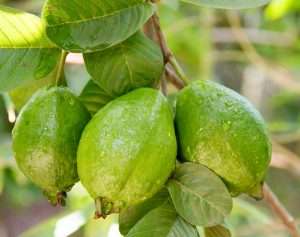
(128, 150)
(221, 130)
(45, 140)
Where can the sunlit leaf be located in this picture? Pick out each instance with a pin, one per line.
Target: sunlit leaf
(25, 52)
(130, 216)
(199, 195)
(228, 4)
(91, 25)
(134, 63)
(163, 222)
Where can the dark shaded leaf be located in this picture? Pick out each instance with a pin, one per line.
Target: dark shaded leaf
(130, 216)
(93, 97)
(163, 222)
(134, 63)
(217, 231)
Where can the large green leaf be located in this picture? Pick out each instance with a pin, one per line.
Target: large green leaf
(217, 231)
(134, 63)
(91, 25)
(25, 52)
(199, 195)
(163, 222)
(130, 216)
(93, 97)
(229, 4)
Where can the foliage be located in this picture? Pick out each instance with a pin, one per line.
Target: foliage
(119, 60)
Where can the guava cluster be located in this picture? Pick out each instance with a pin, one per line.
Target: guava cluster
(126, 152)
(125, 148)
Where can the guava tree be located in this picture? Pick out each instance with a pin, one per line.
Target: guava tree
(168, 165)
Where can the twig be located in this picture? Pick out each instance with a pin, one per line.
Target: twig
(278, 74)
(167, 53)
(280, 211)
(267, 229)
(164, 85)
(285, 158)
(61, 66)
(149, 30)
(172, 77)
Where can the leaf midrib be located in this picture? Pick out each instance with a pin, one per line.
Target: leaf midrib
(97, 17)
(198, 195)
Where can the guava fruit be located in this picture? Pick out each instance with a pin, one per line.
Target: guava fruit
(45, 140)
(128, 150)
(221, 130)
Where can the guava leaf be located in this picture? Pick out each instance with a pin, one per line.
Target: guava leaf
(217, 231)
(25, 52)
(130, 216)
(199, 195)
(134, 63)
(91, 25)
(22, 94)
(93, 97)
(163, 221)
(229, 4)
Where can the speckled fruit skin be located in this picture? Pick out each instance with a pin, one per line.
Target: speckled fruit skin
(128, 150)
(46, 137)
(221, 130)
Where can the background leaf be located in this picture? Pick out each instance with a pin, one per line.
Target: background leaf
(134, 63)
(199, 195)
(91, 25)
(228, 4)
(93, 97)
(217, 231)
(25, 52)
(130, 216)
(163, 222)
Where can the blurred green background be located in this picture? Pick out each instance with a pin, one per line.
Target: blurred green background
(255, 52)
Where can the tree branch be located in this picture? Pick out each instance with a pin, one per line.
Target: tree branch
(169, 57)
(172, 77)
(277, 73)
(280, 211)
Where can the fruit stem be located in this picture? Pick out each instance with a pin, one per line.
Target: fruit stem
(98, 212)
(60, 198)
(61, 66)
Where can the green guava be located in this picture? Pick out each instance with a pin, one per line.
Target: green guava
(45, 140)
(128, 150)
(220, 129)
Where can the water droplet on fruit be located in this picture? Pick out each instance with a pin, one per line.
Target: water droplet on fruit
(227, 125)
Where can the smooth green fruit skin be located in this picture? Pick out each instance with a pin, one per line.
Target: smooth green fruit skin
(220, 129)
(128, 150)
(46, 137)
